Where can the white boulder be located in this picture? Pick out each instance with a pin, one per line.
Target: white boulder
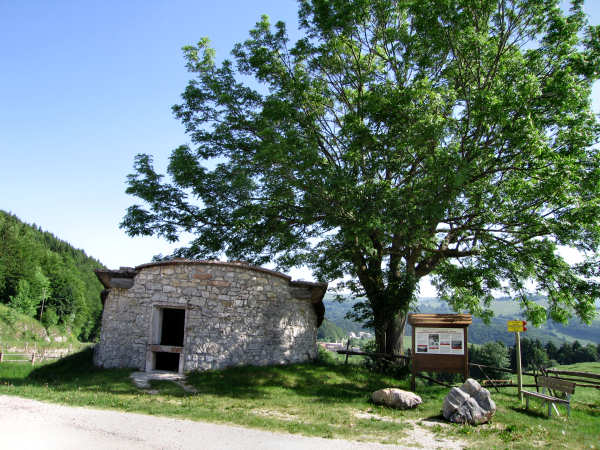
(396, 398)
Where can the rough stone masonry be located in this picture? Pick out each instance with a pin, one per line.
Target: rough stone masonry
(185, 315)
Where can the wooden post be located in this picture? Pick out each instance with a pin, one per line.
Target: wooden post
(347, 349)
(413, 367)
(33, 358)
(466, 349)
(519, 369)
(0, 356)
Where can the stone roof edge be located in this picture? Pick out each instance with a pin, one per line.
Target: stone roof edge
(312, 285)
(106, 275)
(214, 262)
(131, 272)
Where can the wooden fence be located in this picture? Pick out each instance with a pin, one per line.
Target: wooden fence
(32, 357)
(581, 379)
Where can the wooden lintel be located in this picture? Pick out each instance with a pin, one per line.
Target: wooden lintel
(166, 348)
(440, 320)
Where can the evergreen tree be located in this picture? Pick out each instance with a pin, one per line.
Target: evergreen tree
(551, 350)
(45, 277)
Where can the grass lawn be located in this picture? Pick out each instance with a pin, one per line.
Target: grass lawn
(323, 399)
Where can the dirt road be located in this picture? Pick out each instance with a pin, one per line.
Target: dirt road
(30, 424)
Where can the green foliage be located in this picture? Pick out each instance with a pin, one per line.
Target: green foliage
(493, 354)
(30, 295)
(573, 353)
(44, 277)
(338, 312)
(391, 367)
(22, 331)
(24, 301)
(326, 357)
(533, 355)
(50, 318)
(330, 332)
(393, 141)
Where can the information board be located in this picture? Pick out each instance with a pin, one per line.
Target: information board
(439, 344)
(440, 341)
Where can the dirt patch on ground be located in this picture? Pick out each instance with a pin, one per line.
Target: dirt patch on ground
(274, 414)
(142, 380)
(420, 433)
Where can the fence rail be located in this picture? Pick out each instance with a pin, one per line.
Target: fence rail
(583, 379)
(32, 357)
(572, 373)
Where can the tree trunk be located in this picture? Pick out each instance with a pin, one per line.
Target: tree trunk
(395, 334)
(389, 304)
(380, 336)
(390, 322)
(389, 336)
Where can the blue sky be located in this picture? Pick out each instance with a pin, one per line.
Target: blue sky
(85, 86)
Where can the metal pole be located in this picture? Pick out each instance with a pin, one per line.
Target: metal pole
(519, 370)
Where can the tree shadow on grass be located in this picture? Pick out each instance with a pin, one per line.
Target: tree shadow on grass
(532, 412)
(322, 382)
(75, 372)
(319, 382)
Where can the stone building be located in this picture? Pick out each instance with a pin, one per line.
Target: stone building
(185, 315)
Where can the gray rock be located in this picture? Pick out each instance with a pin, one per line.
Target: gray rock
(396, 398)
(469, 404)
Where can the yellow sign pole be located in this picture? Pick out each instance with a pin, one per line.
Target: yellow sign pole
(519, 371)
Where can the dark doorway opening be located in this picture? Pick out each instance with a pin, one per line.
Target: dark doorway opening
(173, 322)
(166, 361)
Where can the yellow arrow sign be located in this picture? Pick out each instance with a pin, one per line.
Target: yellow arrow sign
(516, 325)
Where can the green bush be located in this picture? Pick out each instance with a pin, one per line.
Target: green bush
(493, 354)
(50, 317)
(325, 357)
(397, 368)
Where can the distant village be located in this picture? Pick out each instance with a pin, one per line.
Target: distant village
(343, 344)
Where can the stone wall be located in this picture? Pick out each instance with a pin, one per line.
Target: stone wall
(235, 314)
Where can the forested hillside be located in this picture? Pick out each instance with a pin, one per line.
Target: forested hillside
(47, 279)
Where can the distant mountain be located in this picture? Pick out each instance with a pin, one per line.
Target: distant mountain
(45, 278)
(336, 312)
(504, 309)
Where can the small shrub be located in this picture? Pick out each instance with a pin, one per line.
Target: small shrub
(11, 316)
(445, 377)
(493, 354)
(325, 357)
(398, 369)
(50, 317)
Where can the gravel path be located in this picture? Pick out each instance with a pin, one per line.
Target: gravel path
(30, 424)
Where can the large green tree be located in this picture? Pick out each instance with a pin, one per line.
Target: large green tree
(397, 139)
